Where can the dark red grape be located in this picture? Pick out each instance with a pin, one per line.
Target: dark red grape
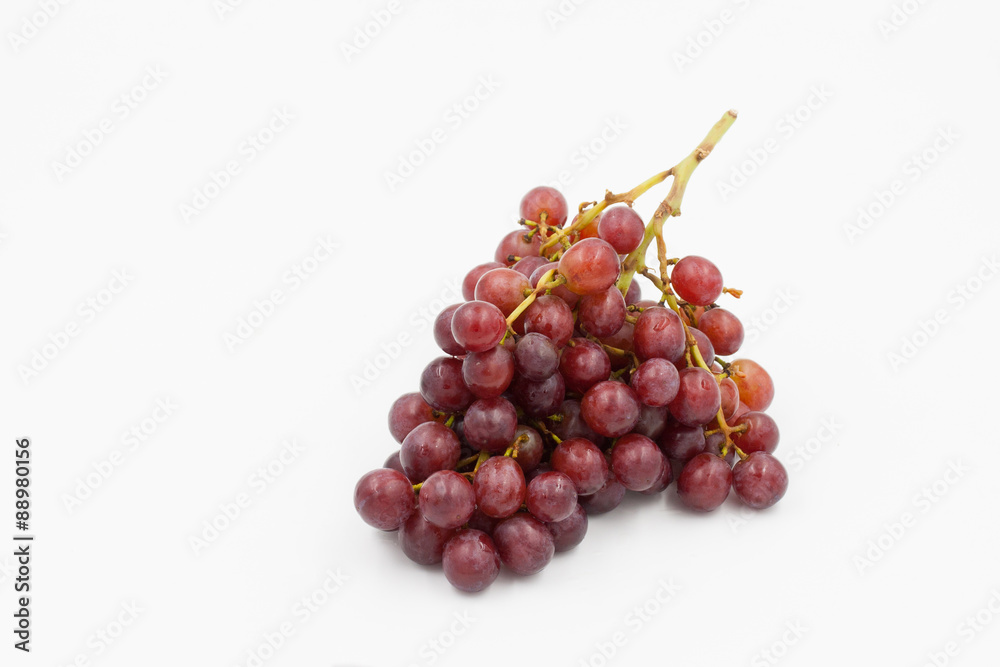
(602, 314)
(548, 200)
(696, 280)
(536, 357)
(582, 462)
(606, 498)
(761, 434)
(760, 480)
(478, 326)
(704, 483)
(525, 544)
(499, 487)
(756, 386)
(584, 364)
(666, 476)
(698, 398)
(471, 561)
(659, 334)
(442, 386)
(634, 293)
(652, 421)
(491, 424)
(446, 499)
(590, 266)
(428, 448)
(637, 462)
(622, 228)
(569, 532)
(482, 521)
(682, 442)
(611, 408)
(724, 330)
(714, 444)
(551, 496)
(442, 332)
(656, 382)
(422, 541)
(539, 399)
(531, 450)
(408, 412)
(572, 425)
(384, 498)
(488, 374)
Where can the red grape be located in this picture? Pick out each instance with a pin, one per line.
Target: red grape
(659, 334)
(504, 288)
(536, 357)
(499, 487)
(518, 244)
(611, 408)
(602, 314)
(422, 541)
(442, 332)
(544, 199)
(622, 228)
(478, 326)
(442, 386)
(760, 480)
(761, 434)
(551, 317)
(637, 462)
(584, 364)
(698, 397)
(384, 498)
(471, 561)
(704, 483)
(488, 374)
(756, 386)
(696, 280)
(569, 532)
(428, 448)
(408, 412)
(724, 330)
(589, 266)
(490, 424)
(446, 499)
(656, 382)
(525, 544)
(551, 496)
(582, 462)
(473, 276)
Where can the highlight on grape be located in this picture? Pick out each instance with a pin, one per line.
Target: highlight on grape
(560, 389)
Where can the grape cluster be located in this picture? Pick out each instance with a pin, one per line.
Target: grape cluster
(560, 390)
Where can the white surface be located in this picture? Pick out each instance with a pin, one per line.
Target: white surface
(609, 67)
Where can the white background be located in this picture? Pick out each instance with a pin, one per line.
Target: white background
(863, 436)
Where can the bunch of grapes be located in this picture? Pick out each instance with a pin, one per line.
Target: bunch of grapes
(561, 389)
